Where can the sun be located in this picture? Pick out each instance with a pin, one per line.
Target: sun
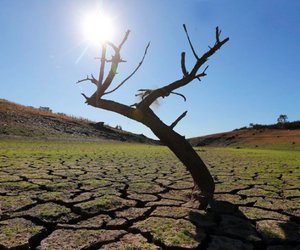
(97, 27)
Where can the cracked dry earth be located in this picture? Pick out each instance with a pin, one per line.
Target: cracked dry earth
(72, 195)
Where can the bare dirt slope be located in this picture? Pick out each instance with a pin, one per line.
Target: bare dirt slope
(252, 137)
(22, 121)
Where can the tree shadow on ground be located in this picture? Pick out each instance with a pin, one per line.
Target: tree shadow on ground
(227, 227)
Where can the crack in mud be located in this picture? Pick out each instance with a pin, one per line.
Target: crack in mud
(146, 199)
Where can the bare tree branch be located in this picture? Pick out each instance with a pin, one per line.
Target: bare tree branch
(116, 59)
(175, 93)
(93, 80)
(218, 33)
(110, 60)
(202, 74)
(144, 92)
(114, 47)
(206, 55)
(124, 39)
(102, 65)
(110, 76)
(167, 89)
(136, 69)
(183, 68)
(191, 45)
(86, 98)
(178, 120)
(144, 89)
(110, 106)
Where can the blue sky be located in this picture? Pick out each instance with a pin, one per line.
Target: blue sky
(253, 79)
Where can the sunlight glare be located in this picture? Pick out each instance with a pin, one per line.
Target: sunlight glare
(97, 28)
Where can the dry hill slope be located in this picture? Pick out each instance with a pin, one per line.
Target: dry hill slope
(28, 122)
(263, 136)
(22, 121)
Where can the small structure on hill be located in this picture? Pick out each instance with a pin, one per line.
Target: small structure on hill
(47, 109)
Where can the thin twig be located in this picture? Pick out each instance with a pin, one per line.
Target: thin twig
(93, 80)
(124, 39)
(202, 73)
(114, 47)
(178, 120)
(86, 79)
(218, 33)
(191, 45)
(136, 69)
(144, 92)
(175, 93)
(86, 98)
(183, 68)
(111, 60)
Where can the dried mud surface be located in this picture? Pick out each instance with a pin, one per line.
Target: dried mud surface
(125, 196)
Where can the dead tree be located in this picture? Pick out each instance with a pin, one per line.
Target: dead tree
(143, 113)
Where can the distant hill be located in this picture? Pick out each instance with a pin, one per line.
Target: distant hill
(271, 136)
(21, 121)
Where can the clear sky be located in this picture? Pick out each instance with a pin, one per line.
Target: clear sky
(253, 79)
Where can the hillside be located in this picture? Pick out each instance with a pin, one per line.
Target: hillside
(27, 122)
(22, 121)
(261, 136)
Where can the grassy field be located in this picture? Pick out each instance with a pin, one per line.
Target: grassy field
(105, 195)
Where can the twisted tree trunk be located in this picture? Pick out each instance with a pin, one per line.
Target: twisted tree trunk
(142, 112)
(184, 152)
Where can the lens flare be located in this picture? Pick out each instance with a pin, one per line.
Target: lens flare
(97, 28)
